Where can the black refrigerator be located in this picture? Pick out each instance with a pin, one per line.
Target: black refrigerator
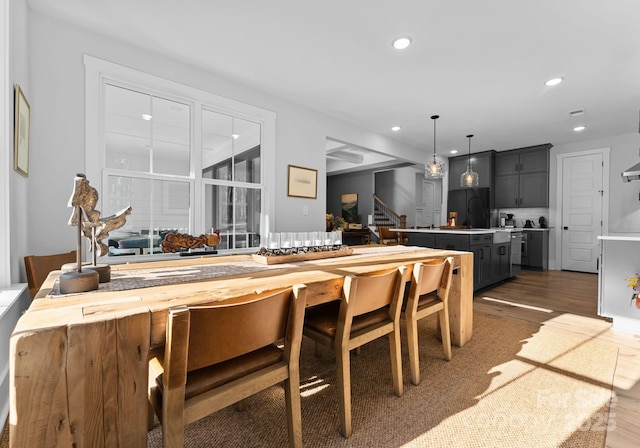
(472, 206)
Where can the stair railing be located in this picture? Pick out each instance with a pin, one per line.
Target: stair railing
(385, 216)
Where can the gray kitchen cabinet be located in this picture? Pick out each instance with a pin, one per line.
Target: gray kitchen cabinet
(452, 242)
(481, 162)
(500, 262)
(535, 252)
(421, 239)
(522, 177)
(481, 246)
(491, 261)
(481, 266)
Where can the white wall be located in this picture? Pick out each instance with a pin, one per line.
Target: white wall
(13, 300)
(624, 197)
(19, 185)
(57, 96)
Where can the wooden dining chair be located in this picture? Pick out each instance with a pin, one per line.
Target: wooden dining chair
(38, 268)
(387, 236)
(428, 294)
(369, 309)
(219, 354)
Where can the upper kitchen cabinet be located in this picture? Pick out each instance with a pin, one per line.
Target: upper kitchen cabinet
(522, 177)
(481, 162)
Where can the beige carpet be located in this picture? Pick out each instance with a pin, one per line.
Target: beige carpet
(511, 385)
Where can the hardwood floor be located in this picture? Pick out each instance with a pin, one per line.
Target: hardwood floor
(569, 300)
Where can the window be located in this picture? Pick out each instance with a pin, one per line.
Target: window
(185, 160)
(231, 175)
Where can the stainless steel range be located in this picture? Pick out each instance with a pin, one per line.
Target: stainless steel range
(517, 239)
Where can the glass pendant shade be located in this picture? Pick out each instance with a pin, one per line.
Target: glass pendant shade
(469, 178)
(434, 169)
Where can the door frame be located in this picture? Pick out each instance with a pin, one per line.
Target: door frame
(605, 152)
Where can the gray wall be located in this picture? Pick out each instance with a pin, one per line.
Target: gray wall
(398, 188)
(360, 183)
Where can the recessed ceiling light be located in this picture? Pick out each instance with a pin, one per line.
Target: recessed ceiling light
(454, 151)
(579, 128)
(147, 117)
(396, 128)
(554, 82)
(401, 43)
(235, 136)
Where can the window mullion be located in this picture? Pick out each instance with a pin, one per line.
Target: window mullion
(198, 197)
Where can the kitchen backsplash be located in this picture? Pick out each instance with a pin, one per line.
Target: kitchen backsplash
(522, 214)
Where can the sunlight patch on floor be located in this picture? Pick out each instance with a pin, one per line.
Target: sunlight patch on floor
(312, 386)
(519, 305)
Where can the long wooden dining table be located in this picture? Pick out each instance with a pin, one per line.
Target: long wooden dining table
(79, 362)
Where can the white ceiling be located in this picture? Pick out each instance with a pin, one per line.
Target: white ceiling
(480, 65)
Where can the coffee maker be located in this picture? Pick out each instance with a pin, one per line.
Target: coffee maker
(543, 222)
(510, 222)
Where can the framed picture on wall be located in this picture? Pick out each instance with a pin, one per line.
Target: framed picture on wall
(21, 133)
(350, 207)
(303, 182)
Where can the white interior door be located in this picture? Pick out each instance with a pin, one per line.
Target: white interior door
(582, 179)
(428, 203)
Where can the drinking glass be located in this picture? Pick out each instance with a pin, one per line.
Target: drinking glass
(286, 240)
(273, 240)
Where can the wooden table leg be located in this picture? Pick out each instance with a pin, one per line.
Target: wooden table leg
(461, 302)
(81, 386)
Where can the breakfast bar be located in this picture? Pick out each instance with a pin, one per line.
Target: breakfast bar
(79, 362)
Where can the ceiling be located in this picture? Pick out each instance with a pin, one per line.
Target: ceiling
(480, 65)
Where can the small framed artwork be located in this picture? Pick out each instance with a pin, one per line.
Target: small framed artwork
(303, 182)
(21, 133)
(350, 207)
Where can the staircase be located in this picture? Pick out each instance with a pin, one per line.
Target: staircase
(385, 216)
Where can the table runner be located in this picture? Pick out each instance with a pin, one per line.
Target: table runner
(148, 277)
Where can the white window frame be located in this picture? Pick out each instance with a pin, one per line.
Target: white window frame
(6, 151)
(98, 72)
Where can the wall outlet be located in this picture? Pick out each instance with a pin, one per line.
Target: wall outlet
(305, 210)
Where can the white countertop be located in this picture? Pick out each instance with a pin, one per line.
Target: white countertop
(520, 229)
(469, 231)
(620, 237)
(457, 231)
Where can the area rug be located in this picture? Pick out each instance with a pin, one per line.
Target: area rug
(511, 385)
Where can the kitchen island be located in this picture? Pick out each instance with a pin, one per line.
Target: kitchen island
(491, 249)
(619, 260)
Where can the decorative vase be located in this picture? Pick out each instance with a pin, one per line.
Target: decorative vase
(329, 225)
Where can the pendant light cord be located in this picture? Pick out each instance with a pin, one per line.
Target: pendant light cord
(469, 137)
(434, 118)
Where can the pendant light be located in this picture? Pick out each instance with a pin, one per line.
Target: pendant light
(434, 169)
(469, 179)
